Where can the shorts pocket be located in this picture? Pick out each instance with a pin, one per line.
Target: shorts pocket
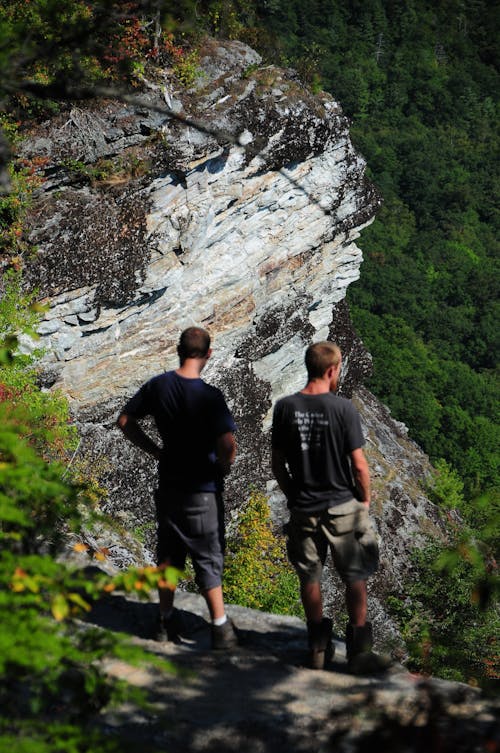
(201, 516)
(355, 520)
(368, 541)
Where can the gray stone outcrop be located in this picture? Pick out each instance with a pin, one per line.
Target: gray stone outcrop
(146, 225)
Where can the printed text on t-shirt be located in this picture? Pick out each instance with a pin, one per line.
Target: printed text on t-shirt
(310, 427)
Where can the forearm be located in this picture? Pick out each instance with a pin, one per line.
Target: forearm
(361, 475)
(363, 486)
(281, 474)
(226, 452)
(137, 436)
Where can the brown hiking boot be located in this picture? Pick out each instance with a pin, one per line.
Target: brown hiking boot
(224, 636)
(361, 660)
(321, 648)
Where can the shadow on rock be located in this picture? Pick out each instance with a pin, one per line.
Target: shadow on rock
(260, 698)
(140, 619)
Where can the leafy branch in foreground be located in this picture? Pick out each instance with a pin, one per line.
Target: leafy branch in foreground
(50, 665)
(52, 680)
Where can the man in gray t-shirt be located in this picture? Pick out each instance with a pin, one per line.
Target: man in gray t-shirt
(320, 466)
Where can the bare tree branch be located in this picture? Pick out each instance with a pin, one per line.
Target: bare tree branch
(65, 91)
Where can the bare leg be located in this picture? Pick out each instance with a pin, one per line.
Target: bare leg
(166, 599)
(165, 594)
(312, 601)
(215, 602)
(356, 602)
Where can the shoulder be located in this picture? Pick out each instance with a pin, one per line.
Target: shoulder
(284, 401)
(211, 390)
(284, 405)
(342, 405)
(165, 378)
(341, 402)
(143, 401)
(213, 395)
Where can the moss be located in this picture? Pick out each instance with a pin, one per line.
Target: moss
(113, 223)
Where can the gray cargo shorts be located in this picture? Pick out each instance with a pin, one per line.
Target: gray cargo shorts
(192, 523)
(345, 529)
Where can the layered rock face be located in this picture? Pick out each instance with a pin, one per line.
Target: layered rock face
(247, 228)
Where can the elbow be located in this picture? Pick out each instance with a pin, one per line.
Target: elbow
(121, 421)
(278, 464)
(276, 469)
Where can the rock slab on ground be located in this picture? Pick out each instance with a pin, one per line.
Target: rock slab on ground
(261, 697)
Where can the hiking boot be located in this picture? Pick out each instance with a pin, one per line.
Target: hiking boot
(321, 649)
(224, 636)
(361, 660)
(169, 629)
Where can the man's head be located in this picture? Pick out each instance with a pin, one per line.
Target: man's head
(194, 342)
(321, 358)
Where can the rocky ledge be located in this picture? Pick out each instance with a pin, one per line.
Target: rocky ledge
(260, 698)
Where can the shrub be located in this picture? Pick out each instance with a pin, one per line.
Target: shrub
(449, 614)
(51, 680)
(257, 573)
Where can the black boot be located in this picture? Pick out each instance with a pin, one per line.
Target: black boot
(169, 629)
(361, 660)
(224, 637)
(320, 643)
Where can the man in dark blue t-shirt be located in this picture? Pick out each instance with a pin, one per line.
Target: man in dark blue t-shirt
(319, 464)
(198, 448)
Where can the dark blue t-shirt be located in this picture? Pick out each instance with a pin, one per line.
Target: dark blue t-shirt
(190, 415)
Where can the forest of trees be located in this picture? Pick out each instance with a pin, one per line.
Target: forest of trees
(419, 81)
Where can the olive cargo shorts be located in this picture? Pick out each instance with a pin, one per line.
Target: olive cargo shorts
(346, 529)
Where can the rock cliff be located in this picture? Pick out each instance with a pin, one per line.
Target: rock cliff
(145, 225)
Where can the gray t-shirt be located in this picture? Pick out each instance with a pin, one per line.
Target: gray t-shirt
(317, 433)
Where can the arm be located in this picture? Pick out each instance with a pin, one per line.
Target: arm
(225, 448)
(361, 475)
(280, 471)
(137, 436)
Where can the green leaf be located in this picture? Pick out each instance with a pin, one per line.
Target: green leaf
(59, 607)
(75, 598)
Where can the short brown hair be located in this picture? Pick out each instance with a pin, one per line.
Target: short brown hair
(320, 356)
(194, 342)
